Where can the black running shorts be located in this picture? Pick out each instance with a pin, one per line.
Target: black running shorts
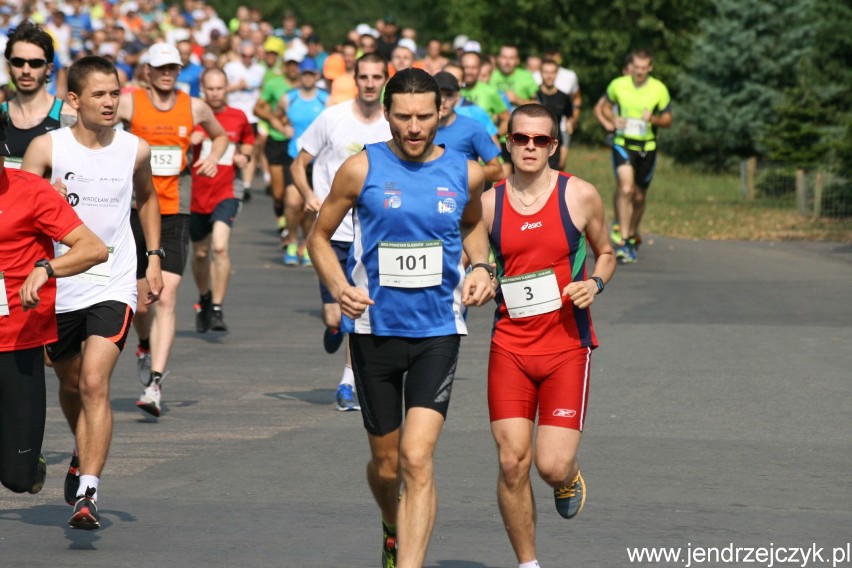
(110, 320)
(174, 237)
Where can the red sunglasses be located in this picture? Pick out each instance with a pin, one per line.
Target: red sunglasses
(539, 140)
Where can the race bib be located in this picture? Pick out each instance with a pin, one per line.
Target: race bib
(227, 158)
(165, 160)
(531, 294)
(4, 301)
(417, 264)
(12, 163)
(635, 128)
(98, 274)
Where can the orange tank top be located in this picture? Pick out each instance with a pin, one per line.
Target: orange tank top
(167, 131)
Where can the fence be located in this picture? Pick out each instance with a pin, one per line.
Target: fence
(819, 192)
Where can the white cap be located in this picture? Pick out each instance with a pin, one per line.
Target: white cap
(293, 55)
(472, 45)
(128, 7)
(408, 43)
(161, 54)
(181, 34)
(459, 42)
(365, 29)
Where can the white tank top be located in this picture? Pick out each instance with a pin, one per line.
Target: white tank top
(100, 189)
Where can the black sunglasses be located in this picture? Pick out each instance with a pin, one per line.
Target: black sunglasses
(539, 140)
(19, 62)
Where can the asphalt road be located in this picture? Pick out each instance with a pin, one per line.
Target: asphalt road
(720, 416)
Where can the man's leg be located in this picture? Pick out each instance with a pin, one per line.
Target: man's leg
(638, 211)
(625, 195)
(220, 267)
(514, 489)
(163, 323)
(383, 473)
(201, 265)
(419, 504)
(294, 212)
(556, 454)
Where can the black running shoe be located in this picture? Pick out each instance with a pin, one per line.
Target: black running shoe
(85, 515)
(217, 320)
(72, 480)
(202, 317)
(332, 339)
(41, 475)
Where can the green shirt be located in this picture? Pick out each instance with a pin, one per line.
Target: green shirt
(632, 102)
(274, 88)
(485, 96)
(520, 81)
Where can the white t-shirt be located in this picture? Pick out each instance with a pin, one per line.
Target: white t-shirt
(100, 188)
(566, 80)
(245, 99)
(333, 137)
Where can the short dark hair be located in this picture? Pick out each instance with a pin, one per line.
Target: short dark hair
(411, 81)
(372, 58)
(535, 110)
(29, 32)
(641, 53)
(80, 70)
(549, 62)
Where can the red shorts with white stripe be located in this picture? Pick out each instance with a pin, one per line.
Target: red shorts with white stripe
(556, 386)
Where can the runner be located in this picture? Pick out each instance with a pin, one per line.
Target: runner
(164, 117)
(539, 221)
(339, 132)
(416, 205)
(100, 169)
(215, 203)
(561, 105)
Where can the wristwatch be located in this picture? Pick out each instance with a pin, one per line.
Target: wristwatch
(486, 266)
(157, 252)
(45, 263)
(599, 281)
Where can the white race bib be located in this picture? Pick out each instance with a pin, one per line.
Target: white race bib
(165, 160)
(636, 128)
(227, 158)
(98, 274)
(4, 301)
(12, 163)
(531, 294)
(418, 264)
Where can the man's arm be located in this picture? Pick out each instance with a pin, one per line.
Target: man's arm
(299, 170)
(502, 123)
(663, 120)
(493, 170)
(202, 114)
(603, 112)
(345, 190)
(584, 198)
(85, 250)
(38, 159)
(263, 110)
(478, 287)
(576, 100)
(148, 205)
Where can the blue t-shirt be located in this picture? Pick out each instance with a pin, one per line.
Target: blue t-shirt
(302, 113)
(189, 79)
(477, 113)
(468, 137)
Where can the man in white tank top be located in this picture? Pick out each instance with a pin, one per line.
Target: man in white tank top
(97, 169)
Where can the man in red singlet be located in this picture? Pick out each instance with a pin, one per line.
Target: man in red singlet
(539, 222)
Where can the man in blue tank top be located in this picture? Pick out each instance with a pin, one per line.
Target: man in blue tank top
(416, 206)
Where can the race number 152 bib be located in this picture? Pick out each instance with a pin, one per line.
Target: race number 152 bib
(416, 264)
(4, 301)
(531, 294)
(165, 160)
(636, 128)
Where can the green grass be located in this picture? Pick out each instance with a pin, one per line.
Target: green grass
(686, 203)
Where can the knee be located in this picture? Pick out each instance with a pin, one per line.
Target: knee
(200, 254)
(94, 386)
(221, 251)
(416, 465)
(385, 468)
(514, 468)
(555, 473)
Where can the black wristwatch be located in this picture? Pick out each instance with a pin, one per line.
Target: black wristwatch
(157, 252)
(45, 263)
(599, 281)
(486, 266)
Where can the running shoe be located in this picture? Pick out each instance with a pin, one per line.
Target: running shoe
(346, 400)
(291, 255)
(85, 515)
(615, 234)
(306, 259)
(246, 195)
(72, 480)
(41, 475)
(571, 498)
(217, 320)
(150, 400)
(202, 316)
(633, 246)
(332, 339)
(143, 364)
(281, 223)
(624, 253)
(388, 548)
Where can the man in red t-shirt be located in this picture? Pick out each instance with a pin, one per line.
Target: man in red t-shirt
(34, 214)
(215, 204)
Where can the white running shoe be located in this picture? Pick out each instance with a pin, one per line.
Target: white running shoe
(150, 400)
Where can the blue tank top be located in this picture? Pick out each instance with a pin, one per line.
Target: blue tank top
(301, 114)
(407, 248)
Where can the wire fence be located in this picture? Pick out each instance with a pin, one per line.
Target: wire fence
(817, 192)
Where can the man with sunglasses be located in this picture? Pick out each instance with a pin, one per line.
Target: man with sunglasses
(539, 222)
(164, 116)
(33, 111)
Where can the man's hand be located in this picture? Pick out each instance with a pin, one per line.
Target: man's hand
(29, 291)
(582, 294)
(312, 204)
(60, 186)
(197, 137)
(354, 301)
(478, 288)
(206, 167)
(154, 276)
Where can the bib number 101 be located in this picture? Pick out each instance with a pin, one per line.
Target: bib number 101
(410, 265)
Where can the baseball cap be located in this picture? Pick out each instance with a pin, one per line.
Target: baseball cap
(293, 55)
(407, 43)
(447, 82)
(472, 45)
(161, 54)
(308, 65)
(275, 44)
(459, 42)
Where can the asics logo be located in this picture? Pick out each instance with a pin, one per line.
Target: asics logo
(529, 225)
(564, 413)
